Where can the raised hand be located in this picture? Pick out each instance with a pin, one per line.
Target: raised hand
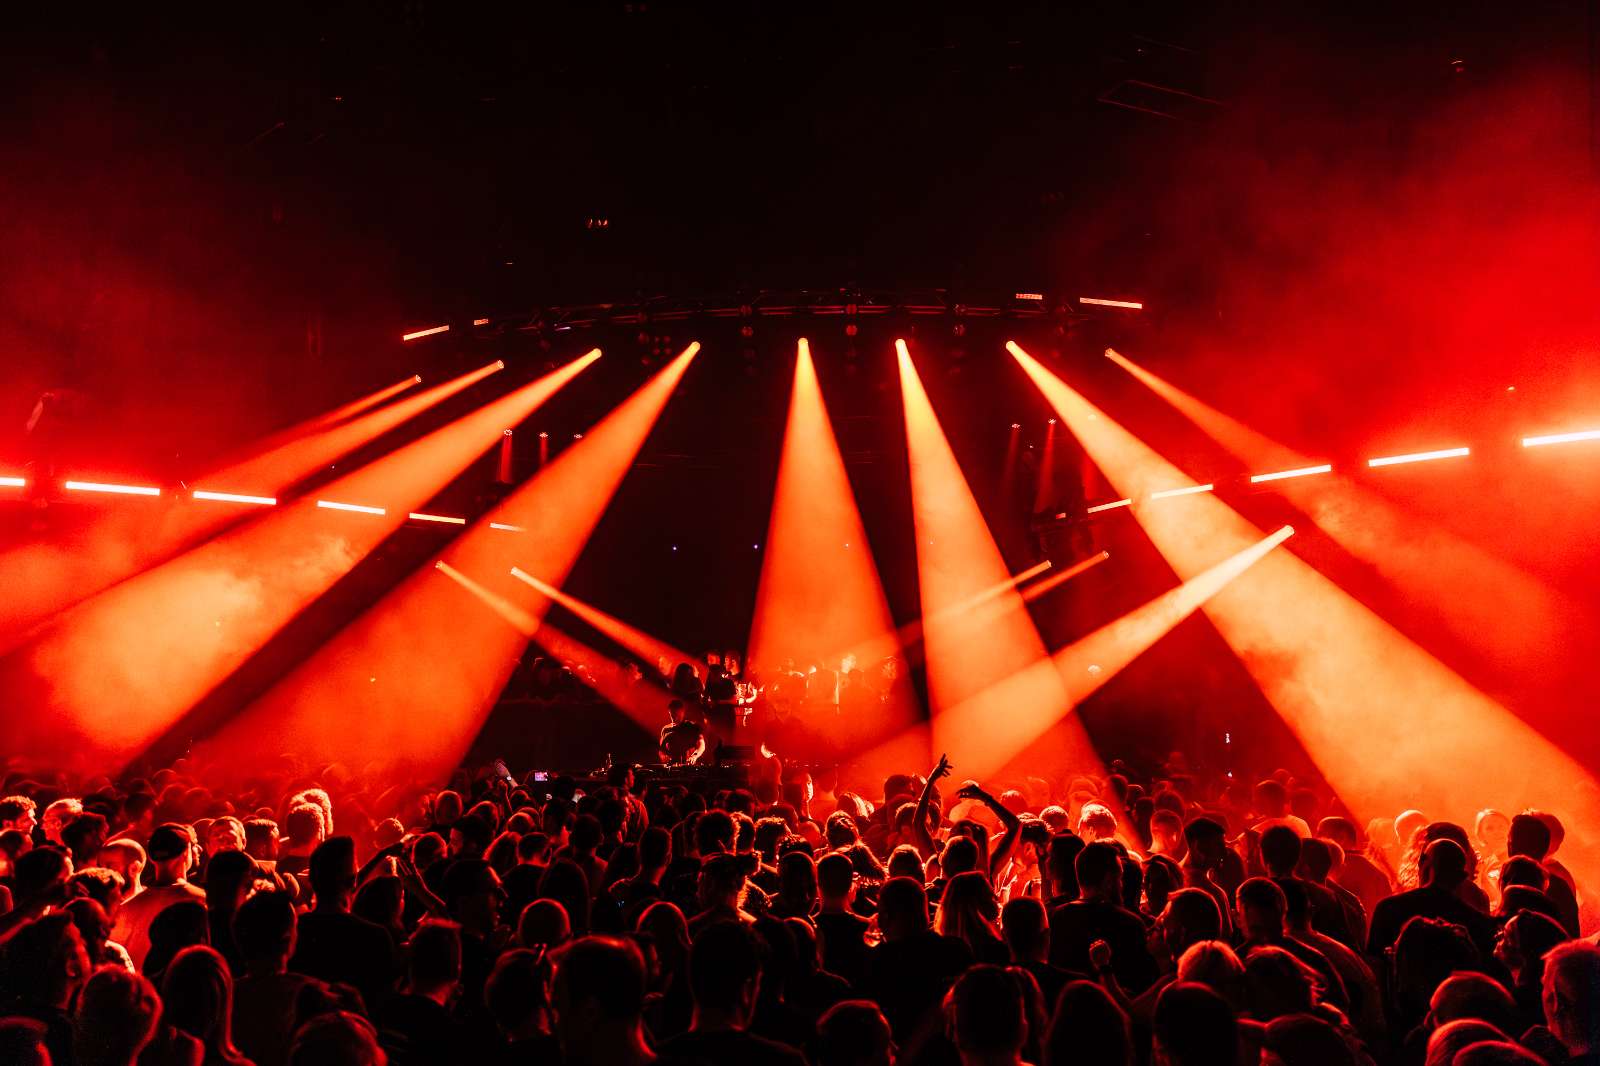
(941, 770)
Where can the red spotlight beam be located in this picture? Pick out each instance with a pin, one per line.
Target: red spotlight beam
(910, 633)
(644, 701)
(410, 682)
(820, 599)
(274, 470)
(1086, 664)
(317, 424)
(1490, 605)
(124, 666)
(642, 645)
(969, 652)
(1389, 725)
(1055, 581)
(52, 578)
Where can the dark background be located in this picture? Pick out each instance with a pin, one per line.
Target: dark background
(1354, 226)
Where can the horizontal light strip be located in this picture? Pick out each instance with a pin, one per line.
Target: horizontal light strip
(233, 497)
(508, 529)
(480, 322)
(14, 482)
(1561, 438)
(1187, 490)
(1419, 457)
(1030, 296)
(424, 333)
(358, 508)
(1133, 305)
(121, 490)
(438, 518)
(1304, 471)
(1108, 506)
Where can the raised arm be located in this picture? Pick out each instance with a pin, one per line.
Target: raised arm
(1009, 821)
(919, 823)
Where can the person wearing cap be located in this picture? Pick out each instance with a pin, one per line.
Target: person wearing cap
(171, 853)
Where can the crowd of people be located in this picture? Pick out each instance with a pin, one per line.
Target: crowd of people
(1121, 917)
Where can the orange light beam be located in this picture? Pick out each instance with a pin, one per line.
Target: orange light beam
(409, 683)
(1507, 615)
(1086, 664)
(819, 601)
(273, 471)
(366, 403)
(968, 653)
(639, 643)
(1091, 661)
(1013, 461)
(1055, 581)
(124, 666)
(1044, 490)
(645, 701)
(911, 632)
(1344, 680)
(51, 578)
(316, 424)
(519, 618)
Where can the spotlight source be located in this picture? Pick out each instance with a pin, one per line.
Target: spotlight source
(1187, 490)
(234, 497)
(1419, 457)
(1561, 438)
(1304, 471)
(417, 334)
(358, 508)
(120, 490)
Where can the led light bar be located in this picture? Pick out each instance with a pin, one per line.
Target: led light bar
(1132, 305)
(1561, 438)
(1097, 508)
(14, 482)
(1419, 457)
(121, 490)
(356, 507)
(1039, 296)
(234, 497)
(424, 333)
(480, 322)
(1304, 471)
(1187, 490)
(507, 528)
(438, 518)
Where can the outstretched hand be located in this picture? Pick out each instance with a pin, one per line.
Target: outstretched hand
(941, 770)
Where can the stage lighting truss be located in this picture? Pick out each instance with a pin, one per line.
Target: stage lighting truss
(849, 306)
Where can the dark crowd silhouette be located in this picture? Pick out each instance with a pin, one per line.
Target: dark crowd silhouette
(313, 916)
